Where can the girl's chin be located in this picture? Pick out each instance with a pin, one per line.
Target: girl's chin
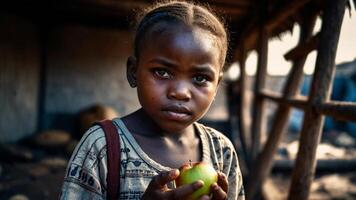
(173, 127)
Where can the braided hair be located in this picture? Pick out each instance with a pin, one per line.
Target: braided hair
(180, 12)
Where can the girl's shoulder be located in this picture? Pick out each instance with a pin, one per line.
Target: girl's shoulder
(95, 135)
(92, 142)
(214, 135)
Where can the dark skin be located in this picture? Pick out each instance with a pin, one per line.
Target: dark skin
(180, 147)
(177, 76)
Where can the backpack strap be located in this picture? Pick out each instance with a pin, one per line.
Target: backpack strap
(113, 158)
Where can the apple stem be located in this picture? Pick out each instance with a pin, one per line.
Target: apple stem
(190, 162)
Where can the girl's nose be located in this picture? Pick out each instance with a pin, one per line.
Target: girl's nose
(179, 91)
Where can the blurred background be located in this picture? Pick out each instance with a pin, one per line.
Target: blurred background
(63, 67)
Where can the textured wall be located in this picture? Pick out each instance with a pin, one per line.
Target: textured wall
(85, 66)
(19, 67)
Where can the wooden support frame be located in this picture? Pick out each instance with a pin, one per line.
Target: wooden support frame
(344, 111)
(258, 125)
(243, 110)
(303, 49)
(303, 172)
(263, 164)
(250, 36)
(327, 165)
(299, 102)
(339, 110)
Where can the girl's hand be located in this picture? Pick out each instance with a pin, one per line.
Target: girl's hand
(157, 189)
(220, 189)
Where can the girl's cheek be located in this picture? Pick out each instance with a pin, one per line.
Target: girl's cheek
(207, 90)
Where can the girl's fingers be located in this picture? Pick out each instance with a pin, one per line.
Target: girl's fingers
(183, 191)
(160, 181)
(204, 197)
(222, 182)
(218, 192)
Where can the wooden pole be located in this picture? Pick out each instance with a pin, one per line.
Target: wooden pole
(303, 49)
(303, 172)
(258, 105)
(243, 111)
(339, 110)
(299, 102)
(344, 111)
(264, 163)
(250, 34)
(258, 115)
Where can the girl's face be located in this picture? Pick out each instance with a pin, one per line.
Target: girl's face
(177, 75)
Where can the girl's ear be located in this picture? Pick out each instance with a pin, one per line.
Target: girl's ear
(131, 68)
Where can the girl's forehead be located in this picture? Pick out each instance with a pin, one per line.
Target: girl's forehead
(181, 41)
(176, 31)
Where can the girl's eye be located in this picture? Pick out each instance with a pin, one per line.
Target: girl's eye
(200, 79)
(161, 73)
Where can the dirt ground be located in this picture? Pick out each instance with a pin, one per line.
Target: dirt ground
(27, 173)
(37, 180)
(43, 180)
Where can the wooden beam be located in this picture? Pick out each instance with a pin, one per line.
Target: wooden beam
(250, 35)
(240, 3)
(303, 49)
(345, 111)
(258, 126)
(283, 14)
(258, 123)
(113, 9)
(328, 165)
(243, 110)
(231, 12)
(303, 172)
(262, 168)
(299, 102)
(127, 8)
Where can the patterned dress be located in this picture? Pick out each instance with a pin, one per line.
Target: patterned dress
(86, 173)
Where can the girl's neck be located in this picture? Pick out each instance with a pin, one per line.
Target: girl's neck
(140, 123)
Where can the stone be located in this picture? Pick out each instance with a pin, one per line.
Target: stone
(54, 162)
(93, 114)
(14, 152)
(52, 138)
(19, 197)
(38, 171)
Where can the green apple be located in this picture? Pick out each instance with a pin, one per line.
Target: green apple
(199, 171)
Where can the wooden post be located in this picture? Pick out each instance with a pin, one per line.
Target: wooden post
(258, 125)
(303, 172)
(303, 49)
(243, 108)
(238, 114)
(250, 35)
(343, 111)
(264, 163)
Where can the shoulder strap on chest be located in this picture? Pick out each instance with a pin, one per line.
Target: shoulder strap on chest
(113, 160)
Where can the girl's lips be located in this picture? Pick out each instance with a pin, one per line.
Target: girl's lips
(176, 116)
(177, 112)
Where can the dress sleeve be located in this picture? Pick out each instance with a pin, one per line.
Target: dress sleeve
(228, 163)
(85, 176)
(234, 174)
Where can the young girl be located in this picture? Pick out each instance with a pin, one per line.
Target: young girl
(179, 54)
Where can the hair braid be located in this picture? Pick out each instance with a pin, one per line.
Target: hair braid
(180, 12)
